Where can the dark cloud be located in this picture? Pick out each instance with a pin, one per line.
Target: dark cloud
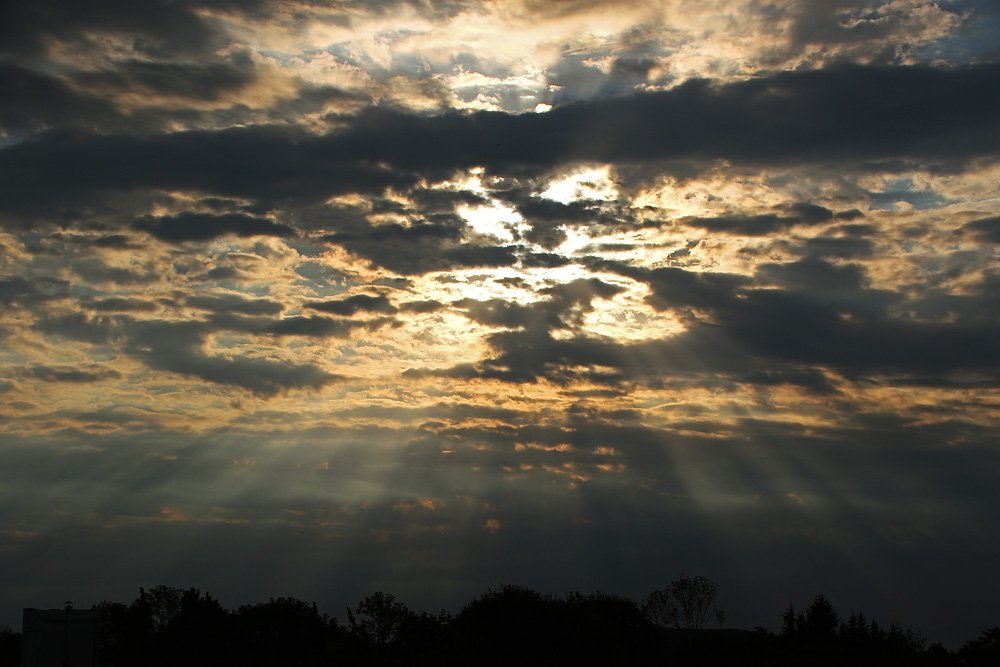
(143, 97)
(117, 241)
(97, 330)
(19, 291)
(147, 97)
(987, 229)
(96, 270)
(557, 312)
(856, 229)
(674, 287)
(765, 224)
(813, 274)
(841, 113)
(35, 101)
(845, 112)
(313, 327)
(542, 210)
(816, 318)
(979, 303)
(500, 313)
(177, 348)
(862, 30)
(472, 256)
(121, 304)
(444, 201)
(233, 303)
(205, 227)
(544, 260)
(353, 304)
(853, 333)
(526, 355)
(580, 292)
(852, 214)
(840, 247)
(549, 218)
(71, 374)
(195, 81)
(69, 172)
(155, 28)
(404, 249)
(421, 307)
(222, 273)
(421, 247)
(810, 214)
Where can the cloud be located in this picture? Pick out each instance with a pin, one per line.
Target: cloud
(919, 113)
(234, 303)
(987, 229)
(879, 112)
(17, 290)
(820, 318)
(557, 312)
(71, 374)
(195, 81)
(95, 270)
(124, 305)
(497, 312)
(673, 287)
(421, 247)
(74, 171)
(421, 307)
(354, 304)
(84, 328)
(177, 348)
(36, 101)
(205, 227)
(765, 224)
(814, 274)
(160, 27)
(840, 247)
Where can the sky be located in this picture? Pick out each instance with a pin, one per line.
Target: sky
(317, 298)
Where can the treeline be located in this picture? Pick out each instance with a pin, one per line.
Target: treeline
(677, 625)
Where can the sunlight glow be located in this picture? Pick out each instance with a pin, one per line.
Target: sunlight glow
(588, 183)
(494, 219)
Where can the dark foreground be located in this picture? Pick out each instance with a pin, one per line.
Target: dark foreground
(510, 625)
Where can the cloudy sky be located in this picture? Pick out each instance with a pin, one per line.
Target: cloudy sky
(317, 298)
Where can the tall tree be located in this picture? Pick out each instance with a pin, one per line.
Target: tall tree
(693, 598)
(686, 604)
(821, 619)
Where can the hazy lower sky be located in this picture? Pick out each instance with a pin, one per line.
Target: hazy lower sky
(318, 298)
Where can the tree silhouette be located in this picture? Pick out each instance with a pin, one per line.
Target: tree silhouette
(985, 650)
(659, 609)
(164, 605)
(513, 624)
(820, 622)
(382, 618)
(279, 632)
(789, 621)
(10, 646)
(200, 630)
(685, 603)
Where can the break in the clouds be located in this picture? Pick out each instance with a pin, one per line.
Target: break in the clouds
(320, 298)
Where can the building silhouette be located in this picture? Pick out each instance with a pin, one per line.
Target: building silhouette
(59, 637)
